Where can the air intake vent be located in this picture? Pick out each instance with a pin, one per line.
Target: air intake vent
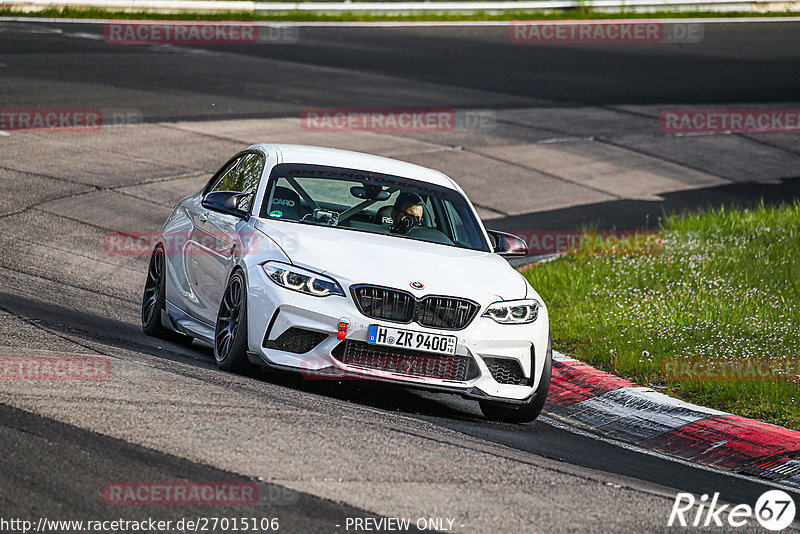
(297, 340)
(406, 362)
(505, 371)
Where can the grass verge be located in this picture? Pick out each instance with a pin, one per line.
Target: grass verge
(298, 16)
(724, 287)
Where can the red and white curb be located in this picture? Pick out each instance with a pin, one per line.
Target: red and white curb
(601, 402)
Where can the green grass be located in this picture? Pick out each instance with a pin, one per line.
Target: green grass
(297, 16)
(726, 285)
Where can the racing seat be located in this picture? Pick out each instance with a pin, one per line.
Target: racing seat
(287, 202)
(384, 216)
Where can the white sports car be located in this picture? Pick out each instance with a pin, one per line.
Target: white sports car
(337, 263)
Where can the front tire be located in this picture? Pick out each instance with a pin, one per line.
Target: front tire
(530, 411)
(230, 334)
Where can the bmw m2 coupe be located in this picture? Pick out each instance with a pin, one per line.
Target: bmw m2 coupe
(337, 263)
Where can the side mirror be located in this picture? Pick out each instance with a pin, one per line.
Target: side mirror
(226, 202)
(508, 245)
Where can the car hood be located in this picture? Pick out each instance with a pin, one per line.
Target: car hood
(353, 257)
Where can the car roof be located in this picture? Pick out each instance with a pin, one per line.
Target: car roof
(334, 157)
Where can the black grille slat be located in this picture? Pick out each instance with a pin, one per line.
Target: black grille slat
(406, 362)
(448, 313)
(434, 307)
(380, 304)
(459, 315)
(505, 370)
(422, 313)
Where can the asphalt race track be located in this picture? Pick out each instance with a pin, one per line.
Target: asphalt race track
(573, 138)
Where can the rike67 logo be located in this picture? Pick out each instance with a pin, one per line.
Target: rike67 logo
(774, 510)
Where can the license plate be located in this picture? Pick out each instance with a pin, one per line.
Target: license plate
(409, 339)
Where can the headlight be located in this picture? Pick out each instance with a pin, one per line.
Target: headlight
(513, 311)
(301, 280)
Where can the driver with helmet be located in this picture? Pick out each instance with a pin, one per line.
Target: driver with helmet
(406, 212)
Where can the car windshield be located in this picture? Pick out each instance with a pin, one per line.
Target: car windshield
(371, 202)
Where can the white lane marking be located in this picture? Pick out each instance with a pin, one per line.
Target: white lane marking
(569, 139)
(550, 420)
(714, 446)
(84, 35)
(465, 23)
(559, 357)
(631, 413)
(180, 49)
(646, 394)
(157, 47)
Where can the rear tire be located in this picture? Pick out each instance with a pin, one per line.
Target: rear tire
(153, 301)
(230, 334)
(523, 413)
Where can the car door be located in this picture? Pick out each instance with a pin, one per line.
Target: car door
(201, 242)
(217, 238)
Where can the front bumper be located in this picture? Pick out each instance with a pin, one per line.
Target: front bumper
(483, 342)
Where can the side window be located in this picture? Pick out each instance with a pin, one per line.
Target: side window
(460, 232)
(225, 177)
(246, 177)
(432, 214)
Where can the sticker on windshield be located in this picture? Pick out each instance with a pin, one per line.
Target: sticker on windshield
(276, 213)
